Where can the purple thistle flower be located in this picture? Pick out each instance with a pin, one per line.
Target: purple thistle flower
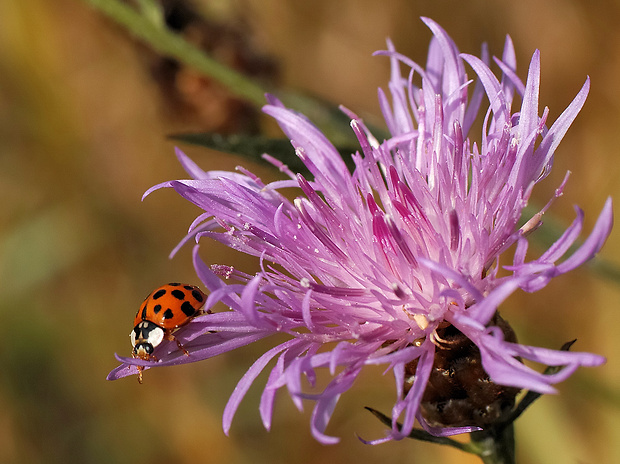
(364, 268)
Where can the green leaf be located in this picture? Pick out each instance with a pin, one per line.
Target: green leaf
(254, 146)
(421, 435)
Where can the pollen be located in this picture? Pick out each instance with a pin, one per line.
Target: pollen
(421, 320)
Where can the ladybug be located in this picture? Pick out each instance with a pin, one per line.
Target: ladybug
(162, 312)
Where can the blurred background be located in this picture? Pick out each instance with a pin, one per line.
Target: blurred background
(85, 112)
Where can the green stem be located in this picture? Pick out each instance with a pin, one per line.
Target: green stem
(170, 44)
(495, 445)
(148, 26)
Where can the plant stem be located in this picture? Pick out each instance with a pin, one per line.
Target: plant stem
(496, 445)
(170, 44)
(148, 26)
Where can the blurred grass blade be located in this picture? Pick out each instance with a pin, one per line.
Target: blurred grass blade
(153, 11)
(147, 25)
(605, 268)
(44, 245)
(166, 42)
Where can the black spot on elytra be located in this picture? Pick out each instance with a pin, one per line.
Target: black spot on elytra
(174, 284)
(143, 316)
(197, 295)
(178, 294)
(168, 314)
(188, 309)
(157, 308)
(188, 287)
(159, 293)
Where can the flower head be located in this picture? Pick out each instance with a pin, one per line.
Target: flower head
(382, 264)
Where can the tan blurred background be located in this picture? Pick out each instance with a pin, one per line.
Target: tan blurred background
(83, 128)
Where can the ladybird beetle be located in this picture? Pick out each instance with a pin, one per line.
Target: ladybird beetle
(164, 310)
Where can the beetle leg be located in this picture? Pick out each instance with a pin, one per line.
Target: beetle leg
(171, 337)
